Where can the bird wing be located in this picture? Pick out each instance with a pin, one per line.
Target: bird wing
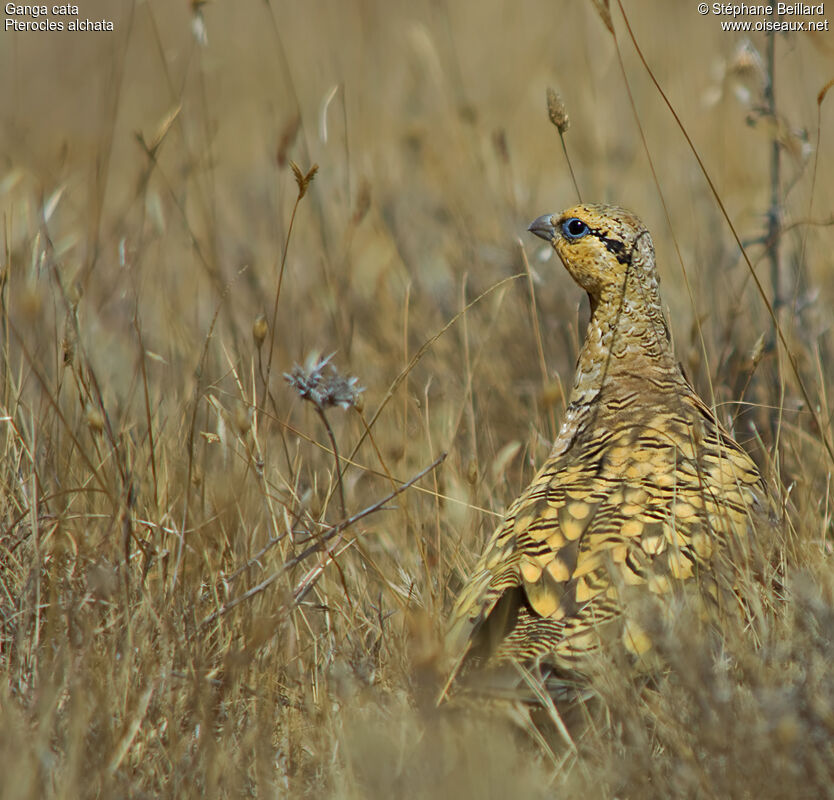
(646, 505)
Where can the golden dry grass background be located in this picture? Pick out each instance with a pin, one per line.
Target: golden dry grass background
(148, 480)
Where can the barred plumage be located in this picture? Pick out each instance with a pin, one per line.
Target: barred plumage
(643, 492)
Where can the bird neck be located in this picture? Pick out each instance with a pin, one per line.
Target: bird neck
(626, 337)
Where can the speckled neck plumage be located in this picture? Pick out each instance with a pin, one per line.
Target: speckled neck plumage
(626, 335)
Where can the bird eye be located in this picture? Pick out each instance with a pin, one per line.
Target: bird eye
(575, 228)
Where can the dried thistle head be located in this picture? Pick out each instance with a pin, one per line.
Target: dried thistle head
(303, 180)
(556, 111)
(323, 385)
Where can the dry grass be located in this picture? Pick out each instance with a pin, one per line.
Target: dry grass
(167, 628)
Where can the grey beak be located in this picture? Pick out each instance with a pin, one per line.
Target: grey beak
(543, 227)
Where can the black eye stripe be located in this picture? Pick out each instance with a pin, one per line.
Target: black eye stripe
(614, 246)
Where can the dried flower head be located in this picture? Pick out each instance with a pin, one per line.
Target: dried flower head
(556, 110)
(322, 387)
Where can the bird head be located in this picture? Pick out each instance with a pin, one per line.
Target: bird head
(601, 247)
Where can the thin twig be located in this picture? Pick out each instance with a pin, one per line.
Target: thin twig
(278, 295)
(325, 421)
(774, 212)
(534, 313)
(570, 166)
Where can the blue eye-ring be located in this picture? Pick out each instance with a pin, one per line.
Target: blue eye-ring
(574, 228)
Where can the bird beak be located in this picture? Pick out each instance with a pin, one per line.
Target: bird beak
(543, 227)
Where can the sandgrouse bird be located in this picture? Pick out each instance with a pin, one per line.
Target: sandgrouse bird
(643, 494)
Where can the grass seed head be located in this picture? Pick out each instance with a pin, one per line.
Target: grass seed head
(68, 347)
(758, 351)
(94, 417)
(259, 330)
(303, 180)
(243, 418)
(603, 8)
(556, 111)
